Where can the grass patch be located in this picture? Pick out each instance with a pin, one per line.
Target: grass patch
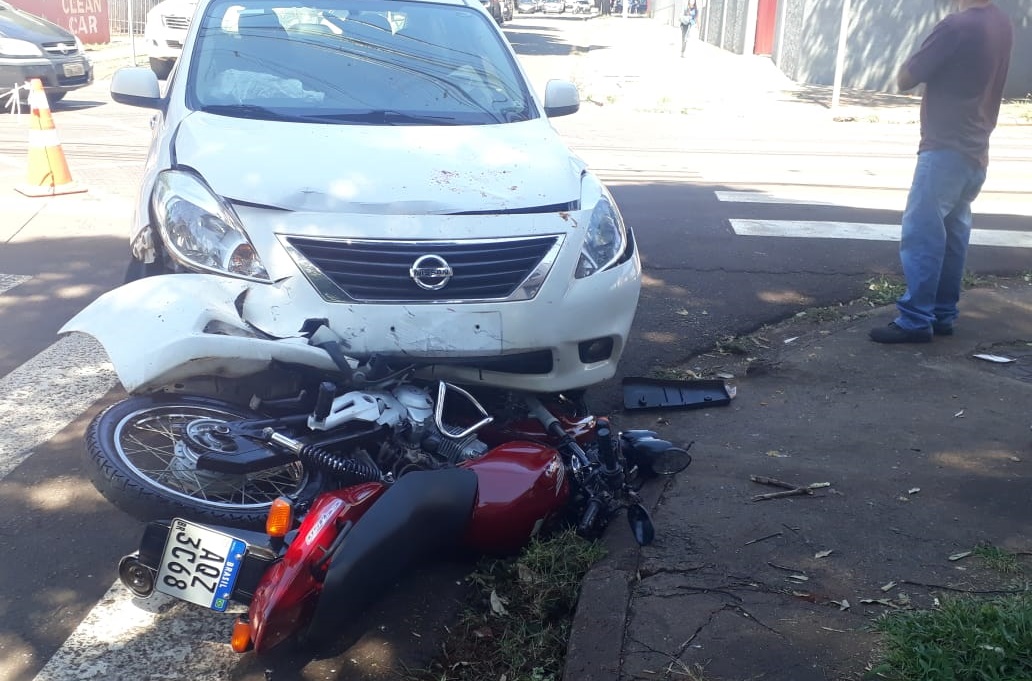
(998, 559)
(520, 625)
(884, 290)
(964, 639)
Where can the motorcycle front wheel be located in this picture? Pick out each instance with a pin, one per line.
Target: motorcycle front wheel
(142, 452)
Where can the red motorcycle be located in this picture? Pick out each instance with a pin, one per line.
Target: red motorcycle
(393, 473)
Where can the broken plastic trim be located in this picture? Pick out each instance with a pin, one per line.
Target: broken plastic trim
(653, 393)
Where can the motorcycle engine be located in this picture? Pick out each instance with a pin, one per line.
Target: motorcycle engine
(418, 442)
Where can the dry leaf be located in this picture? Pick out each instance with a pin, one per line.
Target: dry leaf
(799, 578)
(843, 604)
(958, 556)
(959, 414)
(776, 454)
(999, 359)
(823, 554)
(888, 586)
(789, 340)
(726, 376)
(498, 604)
(913, 490)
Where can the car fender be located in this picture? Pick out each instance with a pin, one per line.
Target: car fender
(163, 329)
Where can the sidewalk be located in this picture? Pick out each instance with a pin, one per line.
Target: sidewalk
(926, 450)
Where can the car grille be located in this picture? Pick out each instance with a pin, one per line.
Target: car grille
(65, 49)
(172, 21)
(379, 271)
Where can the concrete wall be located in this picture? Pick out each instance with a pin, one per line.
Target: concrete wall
(883, 33)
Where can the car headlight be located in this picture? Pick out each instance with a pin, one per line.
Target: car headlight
(605, 239)
(201, 230)
(9, 47)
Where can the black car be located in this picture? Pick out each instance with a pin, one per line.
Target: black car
(32, 47)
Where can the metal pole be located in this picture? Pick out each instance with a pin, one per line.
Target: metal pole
(840, 61)
(132, 38)
(723, 24)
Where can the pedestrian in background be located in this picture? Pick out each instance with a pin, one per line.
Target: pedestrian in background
(689, 17)
(607, 8)
(963, 63)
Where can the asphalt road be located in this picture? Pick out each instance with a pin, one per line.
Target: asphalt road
(691, 191)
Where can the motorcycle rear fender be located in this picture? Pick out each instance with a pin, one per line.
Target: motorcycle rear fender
(423, 513)
(288, 590)
(164, 329)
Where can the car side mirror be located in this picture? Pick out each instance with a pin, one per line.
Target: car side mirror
(136, 86)
(561, 98)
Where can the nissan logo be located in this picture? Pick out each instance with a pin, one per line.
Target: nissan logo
(431, 272)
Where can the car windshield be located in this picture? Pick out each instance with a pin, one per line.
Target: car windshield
(358, 62)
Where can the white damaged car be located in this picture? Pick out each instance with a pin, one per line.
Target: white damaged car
(385, 165)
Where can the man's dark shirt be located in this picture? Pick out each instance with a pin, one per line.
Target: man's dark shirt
(963, 64)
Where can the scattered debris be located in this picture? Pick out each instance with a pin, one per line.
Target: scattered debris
(776, 454)
(824, 554)
(726, 376)
(755, 541)
(913, 490)
(789, 340)
(798, 578)
(842, 605)
(998, 359)
(959, 414)
(962, 554)
(790, 489)
(879, 601)
(889, 586)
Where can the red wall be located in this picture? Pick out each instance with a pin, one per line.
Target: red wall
(88, 19)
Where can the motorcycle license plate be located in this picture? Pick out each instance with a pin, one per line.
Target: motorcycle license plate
(200, 565)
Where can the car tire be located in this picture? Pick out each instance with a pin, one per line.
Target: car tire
(161, 67)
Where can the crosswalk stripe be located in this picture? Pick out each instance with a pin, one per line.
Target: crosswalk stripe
(46, 393)
(124, 639)
(881, 200)
(866, 231)
(9, 281)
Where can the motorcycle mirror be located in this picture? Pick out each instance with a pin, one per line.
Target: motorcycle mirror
(671, 461)
(641, 524)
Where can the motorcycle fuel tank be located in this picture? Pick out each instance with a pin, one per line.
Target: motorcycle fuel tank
(521, 485)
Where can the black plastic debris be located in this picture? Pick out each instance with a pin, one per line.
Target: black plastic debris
(655, 393)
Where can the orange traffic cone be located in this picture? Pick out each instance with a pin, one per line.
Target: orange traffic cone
(48, 169)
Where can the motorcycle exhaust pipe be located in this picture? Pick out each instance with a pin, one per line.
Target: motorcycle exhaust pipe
(136, 576)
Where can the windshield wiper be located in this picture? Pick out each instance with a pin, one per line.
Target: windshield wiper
(383, 117)
(250, 111)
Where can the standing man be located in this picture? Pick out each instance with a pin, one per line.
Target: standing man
(963, 63)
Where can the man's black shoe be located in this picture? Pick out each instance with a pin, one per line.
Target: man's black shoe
(896, 334)
(942, 329)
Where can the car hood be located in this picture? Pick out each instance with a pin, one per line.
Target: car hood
(175, 8)
(400, 170)
(24, 26)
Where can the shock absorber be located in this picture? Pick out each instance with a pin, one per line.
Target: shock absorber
(321, 459)
(317, 457)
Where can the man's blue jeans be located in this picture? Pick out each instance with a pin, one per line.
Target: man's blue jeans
(934, 243)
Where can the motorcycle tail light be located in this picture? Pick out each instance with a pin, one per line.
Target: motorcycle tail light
(240, 642)
(280, 518)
